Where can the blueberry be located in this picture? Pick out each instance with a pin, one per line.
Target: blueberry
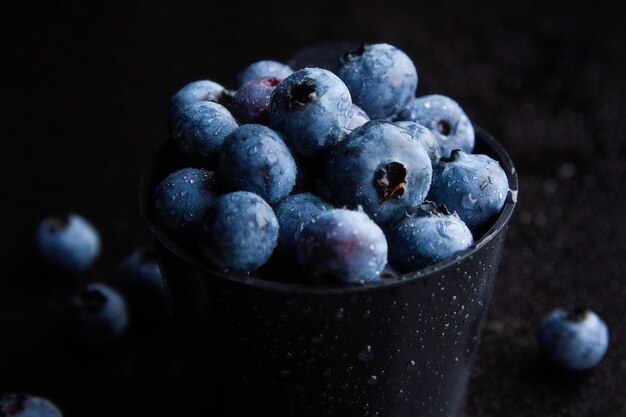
(252, 100)
(344, 244)
(473, 185)
(24, 405)
(254, 158)
(200, 131)
(575, 340)
(203, 90)
(389, 271)
(266, 68)
(240, 232)
(423, 136)
(100, 313)
(359, 118)
(381, 78)
(293, 213)
(139, 280)
(381, 167)
(445, 119)
(67, 243)
(311, 108)
(430, 235)
(181, 200)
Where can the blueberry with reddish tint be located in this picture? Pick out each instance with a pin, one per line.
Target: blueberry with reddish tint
(359, 118)
(445, 119)
(265, 68)
(140, 282)
(181, 200)
(472, 185)
(382, 168)
(312, 109)
(430, 235)
(240, 232)
(423, 136)
(381, 78)
(24, 405)
(99, 313)
(293, 213)
(345, 245)
(203, 90)
(68, 243)
(574, 339)
(252, 100)
(200, 132)
(254, 158)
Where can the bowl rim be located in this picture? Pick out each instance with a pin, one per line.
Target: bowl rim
(315, 289)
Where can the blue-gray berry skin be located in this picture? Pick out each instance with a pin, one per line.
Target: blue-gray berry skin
(203, 90)
(251, 102)
(382, 168)
(472, 185)
(140, 281)
(345, 245)
(240, 232)
(445, 119)
(254, 158)
(425, 137)
(100, 313)
(575, 340)
(359, 118)
(181, 200)
(68, 243)
(24, 405)
(200, 132)
(426, 237)
(293, 213)
(265, 68)
(140, 271)
(311, 108)
(381, 78)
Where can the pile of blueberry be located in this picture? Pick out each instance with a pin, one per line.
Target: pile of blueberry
(339, 172)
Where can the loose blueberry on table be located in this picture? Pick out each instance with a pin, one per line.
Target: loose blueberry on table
(99, 313)
(575, 339)
(367, 156)
(24, 405)
(139, 281)
(67, 243)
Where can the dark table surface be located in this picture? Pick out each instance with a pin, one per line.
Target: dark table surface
(84, 92)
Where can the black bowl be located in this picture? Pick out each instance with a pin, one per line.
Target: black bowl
(403, 347)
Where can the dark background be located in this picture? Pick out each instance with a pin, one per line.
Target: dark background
(84, 92)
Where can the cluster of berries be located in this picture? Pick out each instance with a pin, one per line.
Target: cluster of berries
(342, 171)
(68, 245)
